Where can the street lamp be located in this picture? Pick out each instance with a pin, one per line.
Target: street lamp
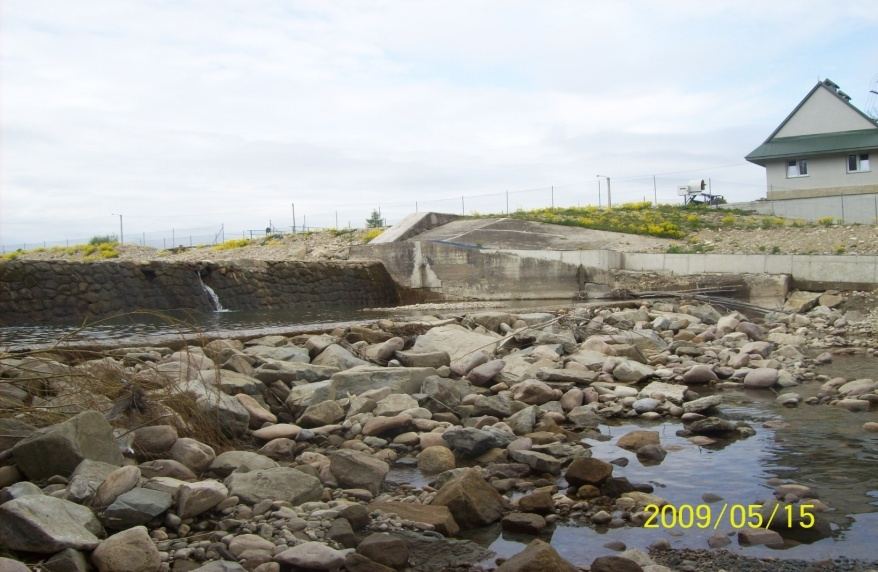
(609, 196)
(121, 234)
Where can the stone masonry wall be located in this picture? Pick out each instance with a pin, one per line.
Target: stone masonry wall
(41, 292)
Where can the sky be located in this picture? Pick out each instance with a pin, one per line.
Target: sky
(217, 118)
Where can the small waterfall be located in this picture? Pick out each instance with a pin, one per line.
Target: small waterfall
(214, 299)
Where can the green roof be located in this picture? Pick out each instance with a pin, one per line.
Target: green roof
(809, 145)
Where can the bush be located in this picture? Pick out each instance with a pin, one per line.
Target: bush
(371, 234)
(234, 243)
(103, 238)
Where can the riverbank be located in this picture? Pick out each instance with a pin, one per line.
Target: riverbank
(747, 236)
(281, 452)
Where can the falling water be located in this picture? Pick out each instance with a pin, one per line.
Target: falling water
(214, 299)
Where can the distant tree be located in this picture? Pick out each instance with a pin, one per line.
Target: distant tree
(375, 221)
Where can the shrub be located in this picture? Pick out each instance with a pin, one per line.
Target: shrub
(826, 221)
(233, 243)
(728, 220)
(371, 234)
(103, 238)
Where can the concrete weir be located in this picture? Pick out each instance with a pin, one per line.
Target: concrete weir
(528, 261)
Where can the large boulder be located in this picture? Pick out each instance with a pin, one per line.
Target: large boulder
(58, 449)
(357, 470)
(46, 525)
(472, 501)
(279, 484)
(456, 340)
(360, 379)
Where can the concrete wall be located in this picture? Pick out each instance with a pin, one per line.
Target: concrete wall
(539, 274)
(36, 292)
(849, 208)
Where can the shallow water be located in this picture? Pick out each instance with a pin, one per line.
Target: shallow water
(822, 447)
(138, 327)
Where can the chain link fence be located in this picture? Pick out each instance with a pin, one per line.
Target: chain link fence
(311, 217)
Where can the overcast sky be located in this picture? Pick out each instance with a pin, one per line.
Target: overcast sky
(190, 115)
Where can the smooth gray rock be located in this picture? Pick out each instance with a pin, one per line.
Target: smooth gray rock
(221, 408)
(702, 404)
(320, 414)
(357, 470)
(456, 340)
(423, 359)
(303, 396)
(226, 463)
(471, 442)
(292, 373)
(539, 462)
(131, 550)
(278, 484)
(524, 421)
(311, 556)
(136, 507)
(760, 378)
(338, 357)
(283, 353)
(58, 449)
(46, 525)
(360, 379)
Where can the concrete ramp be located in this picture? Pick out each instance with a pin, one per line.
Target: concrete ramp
(412, 225)
(513, 234)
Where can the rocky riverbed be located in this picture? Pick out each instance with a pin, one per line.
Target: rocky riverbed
(279, 453)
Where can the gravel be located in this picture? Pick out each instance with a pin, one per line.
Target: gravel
(687, 560)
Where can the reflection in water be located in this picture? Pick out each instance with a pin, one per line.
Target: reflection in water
(822, 447)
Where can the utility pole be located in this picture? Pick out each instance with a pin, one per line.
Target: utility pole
(121, 234)
(294, 218)
(609, 195)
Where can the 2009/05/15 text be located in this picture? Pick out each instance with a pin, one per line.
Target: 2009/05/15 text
(738, 516)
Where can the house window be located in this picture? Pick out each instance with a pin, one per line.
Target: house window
(858, 163)
(797, 168)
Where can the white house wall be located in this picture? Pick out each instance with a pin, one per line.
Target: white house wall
(826, 174)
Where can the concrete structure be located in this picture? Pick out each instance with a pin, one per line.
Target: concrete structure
(413, 225)
(449, 271)
(849, 209)
(823, 148)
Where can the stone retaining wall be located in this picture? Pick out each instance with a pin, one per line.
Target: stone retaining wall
(35, 292)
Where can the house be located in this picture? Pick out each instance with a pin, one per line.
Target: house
(825, 147)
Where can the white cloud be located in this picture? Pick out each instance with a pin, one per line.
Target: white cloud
(199, 113)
